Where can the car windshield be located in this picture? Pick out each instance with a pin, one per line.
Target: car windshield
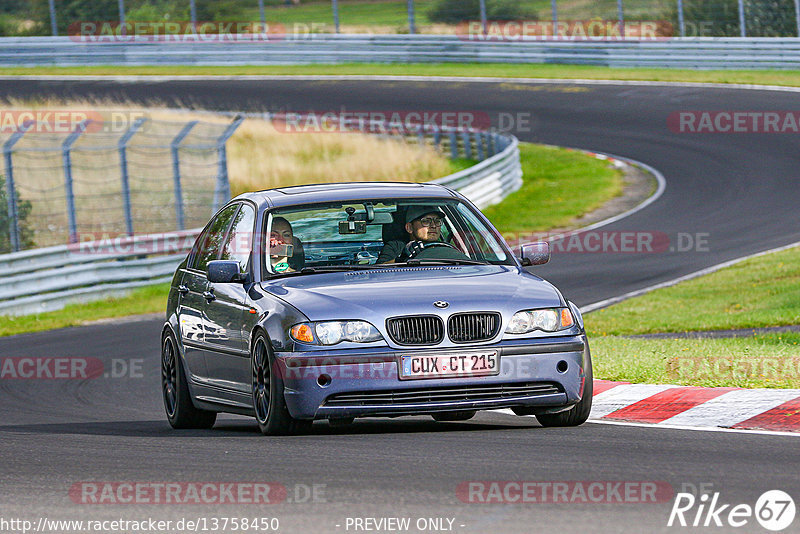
(377, 233)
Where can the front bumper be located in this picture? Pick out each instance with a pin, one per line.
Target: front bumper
(546, 373)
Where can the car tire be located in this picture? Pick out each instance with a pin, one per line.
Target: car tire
(578, 414)
(269, 403)
(465, 415)
(181, 412)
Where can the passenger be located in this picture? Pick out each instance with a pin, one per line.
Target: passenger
(281, 241)
(423, 225)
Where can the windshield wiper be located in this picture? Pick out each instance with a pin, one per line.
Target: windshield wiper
(447, 261)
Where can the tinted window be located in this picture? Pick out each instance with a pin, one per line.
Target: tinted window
(240, 238)
(210, 241)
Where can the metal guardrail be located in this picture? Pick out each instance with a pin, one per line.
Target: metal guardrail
(40, 280)
(690, 52)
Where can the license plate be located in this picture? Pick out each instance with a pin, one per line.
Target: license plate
(449, 365)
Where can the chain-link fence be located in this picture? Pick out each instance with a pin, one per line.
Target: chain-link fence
(688, 18)
(83, 180)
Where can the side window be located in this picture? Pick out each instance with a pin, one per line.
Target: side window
(208, 245)
(240, 238)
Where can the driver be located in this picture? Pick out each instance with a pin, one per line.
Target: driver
(423, 225)
(281, 238)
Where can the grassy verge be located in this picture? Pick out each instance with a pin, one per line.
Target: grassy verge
(544, 169)
(541, 205)
(763, 291)
(149, 299)
(759, 292)
(756, 77)
(762, 361)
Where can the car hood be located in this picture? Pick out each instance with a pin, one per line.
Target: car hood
(376, 294)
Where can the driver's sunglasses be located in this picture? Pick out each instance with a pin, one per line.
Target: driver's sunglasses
(431, 222)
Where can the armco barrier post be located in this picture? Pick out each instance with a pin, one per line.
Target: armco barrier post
(11, 192)
(223, 191)
(484, 19)
(176, 171)
(66, 149)
(193, 15)
(682, 22)
(123, 171)
(742, 24)
(465, 138)
(412, 25)
(336, 15)
(797, 15)
(453, 145)
(621, 15)
(555, 17)
(479, 145)
(122, 15)
(53, 25)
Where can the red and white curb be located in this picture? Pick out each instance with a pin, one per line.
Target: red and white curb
(776, 410)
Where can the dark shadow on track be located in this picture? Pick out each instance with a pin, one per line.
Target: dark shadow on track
(245, 427)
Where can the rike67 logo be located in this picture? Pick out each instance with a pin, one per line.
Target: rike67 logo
(774, 510)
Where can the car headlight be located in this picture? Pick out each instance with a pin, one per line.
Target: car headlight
(548, 320)
(333, 332)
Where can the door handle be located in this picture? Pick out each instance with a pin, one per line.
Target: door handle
(183, 289)
(209, 296)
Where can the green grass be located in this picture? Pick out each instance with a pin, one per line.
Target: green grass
(759, 292)
(149, 299)
(764, 361)
(461, 164)
(790, 78)
(542, 204)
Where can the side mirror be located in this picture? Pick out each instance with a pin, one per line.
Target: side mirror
(224, 272)
(535, 253)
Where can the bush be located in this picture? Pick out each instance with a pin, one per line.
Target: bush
(455, 11)
(770, 18)
(720, 18)
(23, 211)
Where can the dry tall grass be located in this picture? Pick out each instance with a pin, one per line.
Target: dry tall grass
(260, 157)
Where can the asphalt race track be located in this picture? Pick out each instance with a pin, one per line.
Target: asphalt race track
(740, 191)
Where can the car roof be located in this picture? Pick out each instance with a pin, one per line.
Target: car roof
(343, 192)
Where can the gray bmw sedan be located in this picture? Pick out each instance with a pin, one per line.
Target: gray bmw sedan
(339, 301)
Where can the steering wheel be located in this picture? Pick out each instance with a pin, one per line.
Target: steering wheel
(428, 251)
